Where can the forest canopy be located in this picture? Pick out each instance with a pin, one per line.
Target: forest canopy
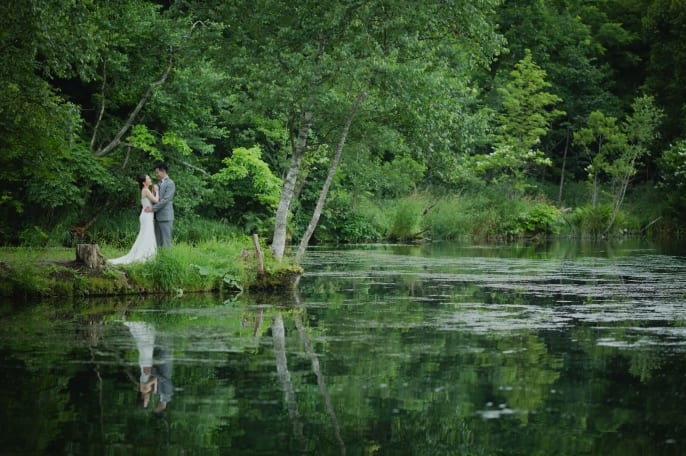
(364, 121)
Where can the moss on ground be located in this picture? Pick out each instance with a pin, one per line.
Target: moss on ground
(70, 278)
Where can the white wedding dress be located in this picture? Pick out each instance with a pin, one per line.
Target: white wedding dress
(145, 246)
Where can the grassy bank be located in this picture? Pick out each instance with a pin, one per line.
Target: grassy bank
(494, 213)
(212, 266)
(213, 256)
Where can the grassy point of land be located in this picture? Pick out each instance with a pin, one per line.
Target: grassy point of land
(211, 266)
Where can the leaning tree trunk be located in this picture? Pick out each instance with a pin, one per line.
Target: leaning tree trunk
(132, 117)
(562, 172)
(325, 189)
(287, 192)
(89, 255)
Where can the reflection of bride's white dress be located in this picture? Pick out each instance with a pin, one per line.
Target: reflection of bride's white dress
(144, 334)
(145, 246)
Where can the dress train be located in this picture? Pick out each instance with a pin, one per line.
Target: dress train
(145, 246)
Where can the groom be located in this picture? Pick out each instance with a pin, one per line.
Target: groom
(164, 208)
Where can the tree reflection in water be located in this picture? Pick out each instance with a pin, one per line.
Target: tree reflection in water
(386, 351)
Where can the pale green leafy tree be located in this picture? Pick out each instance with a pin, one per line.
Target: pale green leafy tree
(601, 138)
(617, 149)
(640, 130)
(249, 181)
(525, 116)
(673, 175)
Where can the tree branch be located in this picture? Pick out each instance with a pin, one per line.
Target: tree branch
(195, 168)
(129, 122)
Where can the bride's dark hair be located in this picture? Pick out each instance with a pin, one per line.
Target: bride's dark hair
(141, 180)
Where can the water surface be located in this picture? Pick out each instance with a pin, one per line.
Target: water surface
(564, 348)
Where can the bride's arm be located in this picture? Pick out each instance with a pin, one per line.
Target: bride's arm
(150, 195)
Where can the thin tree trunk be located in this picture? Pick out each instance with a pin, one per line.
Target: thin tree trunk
(562, 173)
(621, 193)
(129, 122)
(300, 186)
(102, 105)
(329, 178)
(287, 192)
(594, 197)
(643, 230)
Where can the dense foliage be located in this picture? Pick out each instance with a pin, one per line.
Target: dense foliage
(474, 119)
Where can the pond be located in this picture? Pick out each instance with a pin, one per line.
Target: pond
(565, 348)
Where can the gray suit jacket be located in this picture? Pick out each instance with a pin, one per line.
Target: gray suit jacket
(164, 209)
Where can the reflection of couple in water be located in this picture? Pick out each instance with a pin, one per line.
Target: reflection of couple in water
(155, 378)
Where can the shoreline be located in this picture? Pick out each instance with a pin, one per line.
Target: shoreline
(60, 278)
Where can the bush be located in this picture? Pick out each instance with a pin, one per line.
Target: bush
(406, 219)
(450, 218)
(34, 237)
(356, 229)
(541, 218)
(375, 216)
(592, 221)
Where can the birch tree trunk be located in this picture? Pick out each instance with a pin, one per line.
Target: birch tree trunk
(287, 192)
(329, 178)
(562, 172)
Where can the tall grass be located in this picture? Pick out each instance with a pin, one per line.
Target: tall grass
(120, 230)
(202, 267)
(480, 215)
(450, 218)
(407, 218)
(376, 214)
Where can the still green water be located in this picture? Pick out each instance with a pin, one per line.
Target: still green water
(441, 349)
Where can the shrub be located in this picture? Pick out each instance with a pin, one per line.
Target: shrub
(34, 237)
(406, 219)
(355, 228)
(450, 218)
(540, 219)
(592, 221)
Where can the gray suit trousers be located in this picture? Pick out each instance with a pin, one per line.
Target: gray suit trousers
(163, 232)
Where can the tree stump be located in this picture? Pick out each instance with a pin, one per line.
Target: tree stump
(89, 254)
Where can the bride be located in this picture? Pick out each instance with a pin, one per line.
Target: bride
(145, 246)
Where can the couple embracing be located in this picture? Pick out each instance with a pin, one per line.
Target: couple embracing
(156, 218)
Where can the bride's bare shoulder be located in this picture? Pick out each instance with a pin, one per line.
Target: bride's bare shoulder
(146, 193)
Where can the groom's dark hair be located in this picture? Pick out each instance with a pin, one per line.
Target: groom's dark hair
(162, 166)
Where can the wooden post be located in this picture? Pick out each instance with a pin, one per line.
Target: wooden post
(89, 254)
(258, 253)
